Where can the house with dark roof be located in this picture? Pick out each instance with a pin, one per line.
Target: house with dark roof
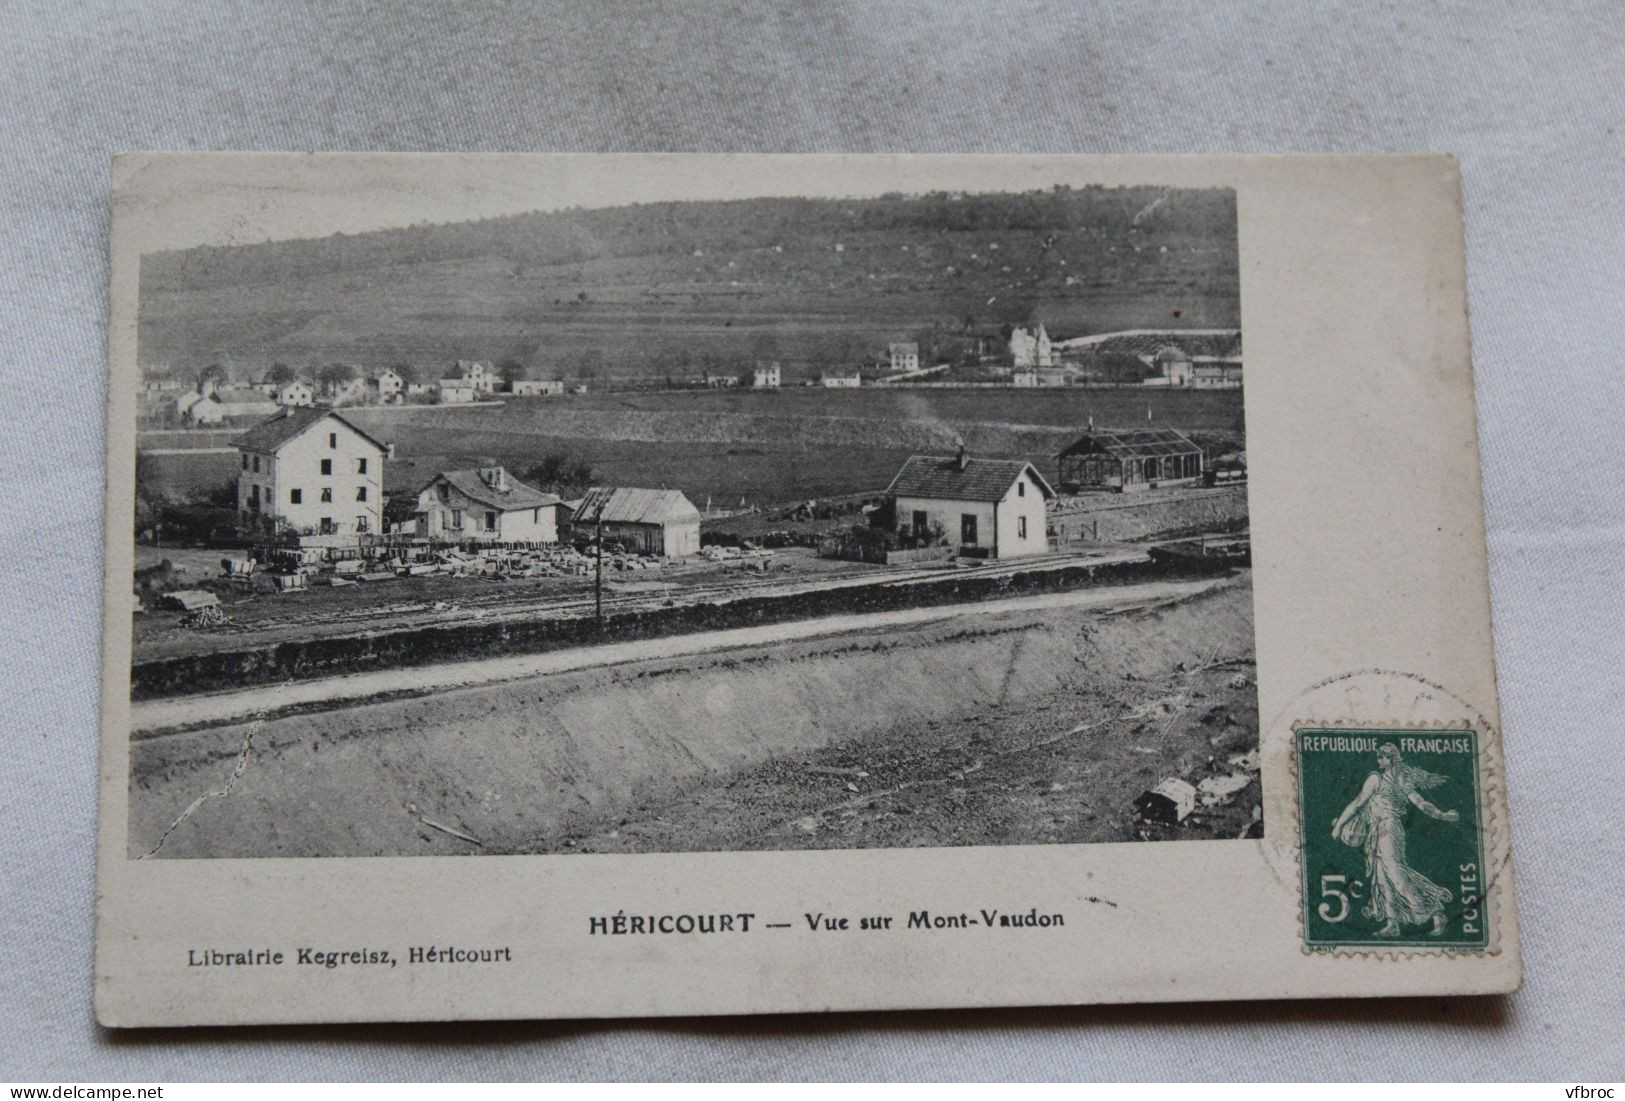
(312, 472)
(651, 521)
(485, 505)
(991, 507)
(1127, 459)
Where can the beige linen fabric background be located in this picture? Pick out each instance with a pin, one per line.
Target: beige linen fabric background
(1529, 97)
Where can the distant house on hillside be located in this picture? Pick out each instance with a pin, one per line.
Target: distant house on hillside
(1216, 372)
(903, 356)
(766, 378)
(1130, 459)
(203, 409)
(316, 472)
(1173, 367)
(652, 521)
(385, 386)
(486, 505)
(217, 405)
(1043, 377)
(296, 392)
(478, 373)
(184, 403)
(721, 382)
(990, 506)
(156, 380)
(456, 391)
(1031, 349)
(536, 387)
(840, 381)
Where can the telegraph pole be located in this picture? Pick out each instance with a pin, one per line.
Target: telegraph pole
(598, 584)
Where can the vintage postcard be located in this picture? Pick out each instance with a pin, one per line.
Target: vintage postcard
(560, 586)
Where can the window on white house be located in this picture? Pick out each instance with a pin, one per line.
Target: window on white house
(327, 496)
(361, 493)
(328, 527)
(457, 519)
(327, 466)
(245, 462)
(1021, 489)
(361, 523)
(256, 464)
(490, 521)
(361, 466)
(333, 439)
(1021, 527)
(296, 496)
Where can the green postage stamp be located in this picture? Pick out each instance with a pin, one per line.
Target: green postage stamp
(1392, 838)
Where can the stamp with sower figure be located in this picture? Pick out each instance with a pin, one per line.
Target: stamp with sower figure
(1392, 838)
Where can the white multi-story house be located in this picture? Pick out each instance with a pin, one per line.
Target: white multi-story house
(841, 382)
(385, 386)
(766, 378)
(1031, 349)
(296, 392)
(904, 356)
(993, 507)
(486, 505)
(478, 373)
(314, 472)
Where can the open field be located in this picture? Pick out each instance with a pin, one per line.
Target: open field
(1064, 407)
(764, 447)
(1023, 722)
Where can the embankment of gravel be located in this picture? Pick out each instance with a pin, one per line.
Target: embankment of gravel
(523, 765)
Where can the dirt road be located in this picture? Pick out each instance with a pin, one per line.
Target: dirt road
(151, 717)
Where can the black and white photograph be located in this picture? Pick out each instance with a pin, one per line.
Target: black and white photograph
(869, 520)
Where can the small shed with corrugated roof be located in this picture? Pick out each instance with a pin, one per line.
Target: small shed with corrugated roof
(650, 521)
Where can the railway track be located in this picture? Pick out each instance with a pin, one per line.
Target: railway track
(499, 603)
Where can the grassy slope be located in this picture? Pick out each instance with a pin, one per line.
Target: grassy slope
(669, 288)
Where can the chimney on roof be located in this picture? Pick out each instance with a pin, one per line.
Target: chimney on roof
(389, 450)
(964, 459)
